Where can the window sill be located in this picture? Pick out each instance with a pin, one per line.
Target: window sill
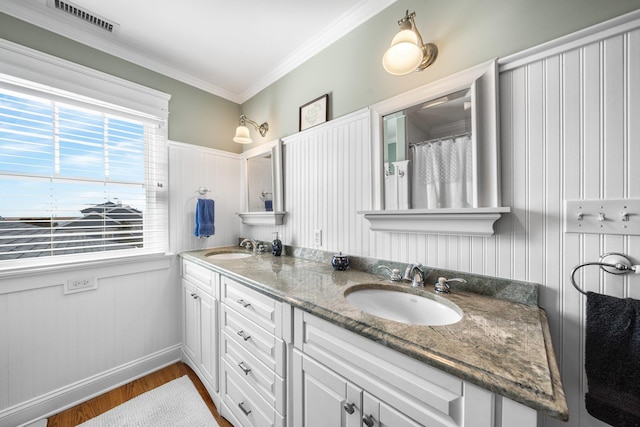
(465, 222)
(52, 265)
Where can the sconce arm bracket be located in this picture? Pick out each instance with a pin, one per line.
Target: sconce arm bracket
(263, 128)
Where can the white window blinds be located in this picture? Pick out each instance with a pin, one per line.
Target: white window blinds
(79, 177)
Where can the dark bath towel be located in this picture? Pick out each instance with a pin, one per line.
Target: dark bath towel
(204, 218)
(612, 359)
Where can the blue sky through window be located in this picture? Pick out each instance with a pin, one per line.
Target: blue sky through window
(57, 159)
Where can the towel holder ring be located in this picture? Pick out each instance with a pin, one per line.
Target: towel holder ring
(202, 191)
(613, 263)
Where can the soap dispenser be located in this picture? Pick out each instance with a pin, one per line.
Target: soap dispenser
(276, 246)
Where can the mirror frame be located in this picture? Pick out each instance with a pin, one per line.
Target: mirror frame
(478, 220)
(275, 217)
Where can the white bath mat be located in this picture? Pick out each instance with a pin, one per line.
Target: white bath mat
(174, 404)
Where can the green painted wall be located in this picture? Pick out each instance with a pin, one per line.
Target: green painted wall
(467, 32)
(195, 116)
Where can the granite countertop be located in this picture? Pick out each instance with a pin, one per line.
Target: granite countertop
(502, 343)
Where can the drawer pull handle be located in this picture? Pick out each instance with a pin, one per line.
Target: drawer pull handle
(244, 336)
(194, 296)
(368, 420)
(244, 303)
(349, 408)
(244, 368)
(243, 409)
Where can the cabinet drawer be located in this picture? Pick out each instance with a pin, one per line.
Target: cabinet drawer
(416, 389)
(257, 341)
(266, 382)
(200, 276)
(246, 404)
(263, 310)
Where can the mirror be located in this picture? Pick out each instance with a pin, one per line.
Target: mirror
(262, 185)
(436, 158)
(428, 154)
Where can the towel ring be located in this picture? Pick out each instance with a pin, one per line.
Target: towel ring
(202, 191)
(613, 263)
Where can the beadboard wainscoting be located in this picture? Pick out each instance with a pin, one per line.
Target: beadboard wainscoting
(327, 174)
(191, 168)
(57, 350)
(569, 130)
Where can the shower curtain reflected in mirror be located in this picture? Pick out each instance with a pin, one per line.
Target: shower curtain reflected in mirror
(442, 173)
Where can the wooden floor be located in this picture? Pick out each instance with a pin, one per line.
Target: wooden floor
(98, 405)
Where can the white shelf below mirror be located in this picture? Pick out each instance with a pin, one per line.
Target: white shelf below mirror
(262, 218)
(466, 222)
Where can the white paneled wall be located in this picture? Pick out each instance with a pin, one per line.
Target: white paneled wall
(190, 168)
(570, 124)
(326, 180)
(57, 349)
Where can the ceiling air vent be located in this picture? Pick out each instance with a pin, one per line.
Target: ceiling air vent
(84, 14)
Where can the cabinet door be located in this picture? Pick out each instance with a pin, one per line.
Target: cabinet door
(321, 397)
(376, 413)
(209, 338)
(191, 321)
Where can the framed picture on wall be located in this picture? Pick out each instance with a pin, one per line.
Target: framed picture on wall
(314, 113)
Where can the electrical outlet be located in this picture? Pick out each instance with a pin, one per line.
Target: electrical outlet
(317, 237)
(80, 284)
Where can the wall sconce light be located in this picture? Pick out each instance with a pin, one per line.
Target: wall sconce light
(242, 132)
(408, 52)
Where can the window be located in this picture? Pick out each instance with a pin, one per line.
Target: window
(80, 178)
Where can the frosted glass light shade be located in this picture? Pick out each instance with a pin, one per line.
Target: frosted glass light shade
(404, 55)
(242, 135)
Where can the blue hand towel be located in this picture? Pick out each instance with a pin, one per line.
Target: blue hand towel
(204, 218)
(612, 359)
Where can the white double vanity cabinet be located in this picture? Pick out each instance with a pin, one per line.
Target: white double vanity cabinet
(267, 360)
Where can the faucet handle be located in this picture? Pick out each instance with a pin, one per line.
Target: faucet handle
(394, 274)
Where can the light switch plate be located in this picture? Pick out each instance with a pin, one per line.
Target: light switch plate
(603, 216)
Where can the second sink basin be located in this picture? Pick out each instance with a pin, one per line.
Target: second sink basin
(228, 255)
(394, 304)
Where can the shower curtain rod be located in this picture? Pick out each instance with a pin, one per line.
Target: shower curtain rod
(431, 141)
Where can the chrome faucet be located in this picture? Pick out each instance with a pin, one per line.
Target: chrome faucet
(442, 286)
(257, 246)
(414, 274)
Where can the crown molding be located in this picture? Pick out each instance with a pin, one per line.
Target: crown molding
(360, 13)
(36, 13)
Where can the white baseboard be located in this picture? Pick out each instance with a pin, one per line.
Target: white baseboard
(35, 410)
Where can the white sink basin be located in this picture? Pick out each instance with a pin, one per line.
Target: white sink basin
(228, 255)
(404, 307)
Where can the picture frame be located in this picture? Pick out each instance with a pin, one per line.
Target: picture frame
(314, 112)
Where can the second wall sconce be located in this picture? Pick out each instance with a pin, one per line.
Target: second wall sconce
(242, 132)
(408, 52)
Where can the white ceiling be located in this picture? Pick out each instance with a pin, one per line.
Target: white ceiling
(231, 48)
